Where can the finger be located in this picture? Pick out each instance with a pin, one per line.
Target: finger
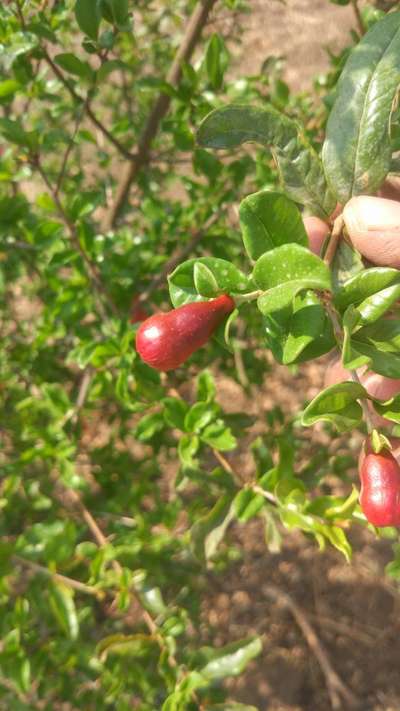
(390, 188)
(373, 225)
(376, 385)
(317, 231)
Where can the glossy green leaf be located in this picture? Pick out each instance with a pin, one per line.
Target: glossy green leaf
(199, 416)
(301, 331)
(337, 404)
(389, 409)
(204, 281)
(208, 531)
(379, 346)
(300, 167)
(206, 389)
(357, 149)
(286, 270)
(375, 306)
(88, 17)
(62, 605)
(364, 284)
(230, 660)
(268, 220)
(181, 282)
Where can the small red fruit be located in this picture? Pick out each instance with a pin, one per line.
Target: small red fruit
(380, 488)
(165, 341)
(137, 311)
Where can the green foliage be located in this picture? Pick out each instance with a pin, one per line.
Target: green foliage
(117, 496)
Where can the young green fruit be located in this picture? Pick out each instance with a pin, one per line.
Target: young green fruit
(165, 341)
(380, 488)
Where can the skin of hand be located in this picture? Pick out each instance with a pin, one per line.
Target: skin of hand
(373, 226)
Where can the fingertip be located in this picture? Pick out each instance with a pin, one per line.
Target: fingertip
(317, 231)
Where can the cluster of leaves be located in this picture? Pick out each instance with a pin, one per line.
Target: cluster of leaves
(115, 489)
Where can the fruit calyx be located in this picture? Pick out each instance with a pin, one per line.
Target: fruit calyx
(166, 340)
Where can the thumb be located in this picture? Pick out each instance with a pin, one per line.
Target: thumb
(373, 225)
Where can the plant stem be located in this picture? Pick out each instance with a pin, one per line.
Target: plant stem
(334, 240)
(359, 20)
(70, 582)
(194, 28)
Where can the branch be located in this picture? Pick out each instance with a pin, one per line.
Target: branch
(76, 97)
(359, 20)
(76, 584)
(91, 268)
(194, 28)
(337, 690)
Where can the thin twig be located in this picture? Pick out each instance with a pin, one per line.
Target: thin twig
(74, 95)
(101, 541)
(334, 240)
(358, 16)
(337, 690)
(194, 28)
(70, 146)
(91, 268)
(75, 584)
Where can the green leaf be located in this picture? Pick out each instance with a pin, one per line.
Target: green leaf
(205, 281)
(268, 220)
(131, 645)
(375, 306)
(181, 282)
(175, 411)
(208, 531)
(149, 425)
(187, 448)
(71, 64)
(9, 87)
(63, 607)
(389, 409)
(378, 345)
(247, 504)
(299, 165)
(88, 17)
(357, 149)
(206, 389)
(199, 416)
(216, 61)
(286, 270)
(364, 284)
(219, 436)
(337, 404)
(14, 132)
(230, 660)
(346, 263)
(300, 332)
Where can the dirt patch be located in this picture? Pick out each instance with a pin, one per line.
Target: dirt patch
(298, 30)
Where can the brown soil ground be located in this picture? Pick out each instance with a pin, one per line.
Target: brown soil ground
(353, 609)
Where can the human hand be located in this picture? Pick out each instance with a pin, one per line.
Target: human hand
(373, 227)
